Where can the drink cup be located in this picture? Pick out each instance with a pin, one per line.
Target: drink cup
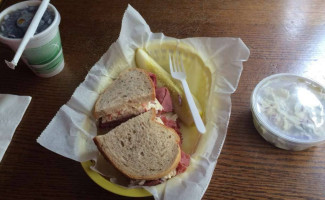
(43, 53)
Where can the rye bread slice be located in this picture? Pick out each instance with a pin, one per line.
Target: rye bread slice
(125, 96)
(141, 148)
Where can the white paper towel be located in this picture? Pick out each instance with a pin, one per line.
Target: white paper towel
(12, 110)
(71, 131)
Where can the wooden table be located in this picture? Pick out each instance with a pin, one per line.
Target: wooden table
(283, 36)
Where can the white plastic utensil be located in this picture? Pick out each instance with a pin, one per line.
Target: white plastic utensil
(177, 71)
(29, 33)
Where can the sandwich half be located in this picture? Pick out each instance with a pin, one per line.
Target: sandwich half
(142, 148)
(131, 94)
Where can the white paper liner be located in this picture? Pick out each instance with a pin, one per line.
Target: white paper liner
(71, 131)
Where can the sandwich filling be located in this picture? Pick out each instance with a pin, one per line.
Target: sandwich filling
(123, 111)
(154, 104)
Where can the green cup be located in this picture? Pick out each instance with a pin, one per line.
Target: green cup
(43, 53)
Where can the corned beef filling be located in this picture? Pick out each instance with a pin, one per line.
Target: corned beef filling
(183, 164)
(153, 182)
(153, 78)
(163, 95)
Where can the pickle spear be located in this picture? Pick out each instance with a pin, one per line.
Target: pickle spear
(144, 61)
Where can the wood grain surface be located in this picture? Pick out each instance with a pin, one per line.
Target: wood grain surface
(283, 36)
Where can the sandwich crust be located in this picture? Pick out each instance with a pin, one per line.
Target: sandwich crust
(141, 148)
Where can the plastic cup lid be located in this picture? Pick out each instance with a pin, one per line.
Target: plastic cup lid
(291, 107)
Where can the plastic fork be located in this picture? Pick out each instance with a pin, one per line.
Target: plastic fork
(177, 71)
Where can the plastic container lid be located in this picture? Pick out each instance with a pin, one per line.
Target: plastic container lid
(289, 111)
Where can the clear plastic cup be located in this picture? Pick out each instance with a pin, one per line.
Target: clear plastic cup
(43, 53)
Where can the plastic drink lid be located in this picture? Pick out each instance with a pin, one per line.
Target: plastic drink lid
(291, 107)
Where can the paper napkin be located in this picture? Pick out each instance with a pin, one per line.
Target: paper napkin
(12, 110)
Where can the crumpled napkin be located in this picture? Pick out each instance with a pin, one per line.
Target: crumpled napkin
(12, 110)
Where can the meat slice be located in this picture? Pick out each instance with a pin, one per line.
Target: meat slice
(162, 94)
(184, 163)
(153, 182)
(153, 78)
(164, 98)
